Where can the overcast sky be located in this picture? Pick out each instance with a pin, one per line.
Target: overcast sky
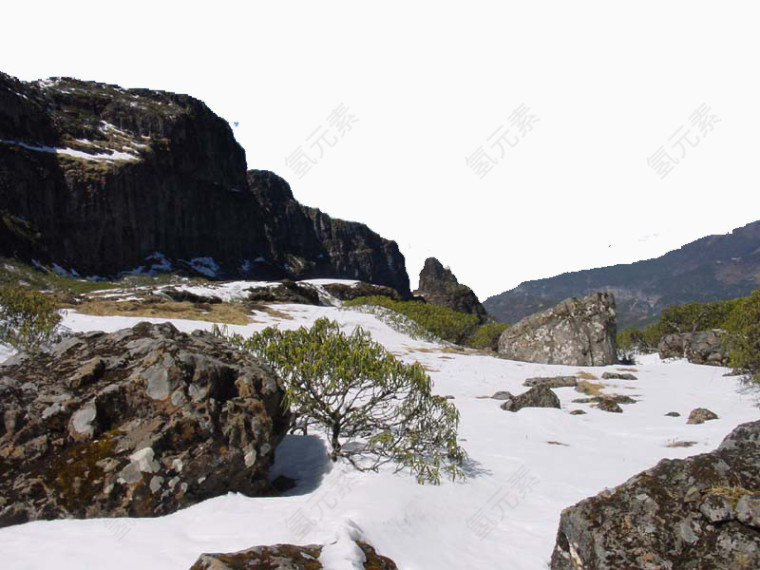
(511, 140)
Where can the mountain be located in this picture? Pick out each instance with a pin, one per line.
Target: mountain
(709, 269)
(99, 180)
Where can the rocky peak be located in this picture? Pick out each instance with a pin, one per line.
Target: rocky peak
(439, 286)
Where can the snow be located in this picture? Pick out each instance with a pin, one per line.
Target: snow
(5, 352)
(110, 156)
(505, 515)
(58, 270)
(205, 265)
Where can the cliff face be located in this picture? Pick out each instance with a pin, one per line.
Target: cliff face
(100, 180)
(712, 268)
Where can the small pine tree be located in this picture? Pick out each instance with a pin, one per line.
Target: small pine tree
(374, 408)
(28, 320)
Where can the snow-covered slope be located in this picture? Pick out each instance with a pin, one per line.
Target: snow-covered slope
(524, 467)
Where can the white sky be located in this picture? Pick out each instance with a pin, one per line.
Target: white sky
(428, 82)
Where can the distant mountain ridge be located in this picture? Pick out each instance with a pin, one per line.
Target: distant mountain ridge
(712, 268)
(100, 180)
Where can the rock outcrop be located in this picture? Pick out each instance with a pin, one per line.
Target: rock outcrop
(684, 514)
(577, 332)
(703, 347)
(139, 423)
(439, 286)
(100, 180)
(284, 557)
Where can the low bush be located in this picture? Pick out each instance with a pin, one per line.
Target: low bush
(374, 408)
(28, 320)
(486, 336)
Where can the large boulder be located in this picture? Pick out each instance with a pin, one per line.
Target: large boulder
(702, 347)
(284, 557)
(140, 422)
(439, 286)
(577, 332)
(683, 514)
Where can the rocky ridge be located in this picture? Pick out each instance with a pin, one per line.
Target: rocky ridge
(100, 180)
(712, 268)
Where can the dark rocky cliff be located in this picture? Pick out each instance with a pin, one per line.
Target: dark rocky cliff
(712, 268)
(101, 180)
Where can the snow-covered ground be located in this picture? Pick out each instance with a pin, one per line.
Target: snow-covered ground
(524, 467)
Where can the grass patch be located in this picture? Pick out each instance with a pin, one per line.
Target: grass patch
(681, 444)
(430, 322)
(444, 323)
(227, 313)
(586, 375)
(589, 388)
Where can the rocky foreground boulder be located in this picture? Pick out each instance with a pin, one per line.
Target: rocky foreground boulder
(284, 557)
(698, 513)
(703, 347)
(439, 286)
(138, 423)
(577, 332)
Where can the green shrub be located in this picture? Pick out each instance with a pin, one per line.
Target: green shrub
(743, 325)
(28, 320)
(486, 336)
(629, 343)
(690, 317)
(374, 408)
(444, 323)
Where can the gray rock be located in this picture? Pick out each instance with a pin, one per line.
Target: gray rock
(618, 376)
(673, 415)
(701, 415)
(552, 381)
(538, 397)
(284, 557)
(502, 395)
(109, 441)
(577, 332)
(609, 405)
(680, 515)
(748, 510)
(703, 347)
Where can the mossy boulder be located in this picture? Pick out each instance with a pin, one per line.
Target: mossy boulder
(140, 422)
